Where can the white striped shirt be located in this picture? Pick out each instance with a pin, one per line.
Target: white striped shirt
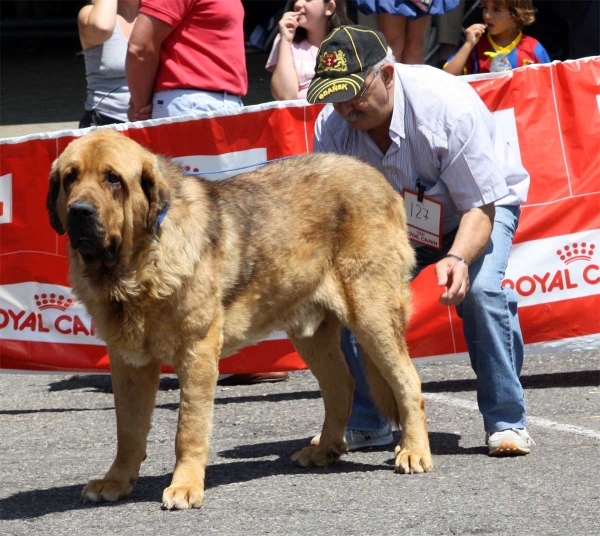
(443, 134)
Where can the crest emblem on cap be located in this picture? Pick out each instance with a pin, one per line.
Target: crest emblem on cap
(332, 61)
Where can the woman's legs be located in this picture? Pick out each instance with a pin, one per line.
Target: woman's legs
(414, 42)
(405, 38)
(393, 28)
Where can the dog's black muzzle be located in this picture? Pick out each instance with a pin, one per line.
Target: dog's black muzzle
(86, 234)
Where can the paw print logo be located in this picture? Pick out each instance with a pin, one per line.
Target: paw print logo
(52, 301)
(577, 251)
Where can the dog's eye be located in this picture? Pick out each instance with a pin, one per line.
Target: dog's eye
(113, 178)
(70, 178)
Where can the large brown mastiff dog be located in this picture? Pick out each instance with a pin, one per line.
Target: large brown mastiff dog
(179, 270)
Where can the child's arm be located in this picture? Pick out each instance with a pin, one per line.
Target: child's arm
(457, 64)
(284, 82)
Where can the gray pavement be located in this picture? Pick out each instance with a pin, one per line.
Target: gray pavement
(58, 431)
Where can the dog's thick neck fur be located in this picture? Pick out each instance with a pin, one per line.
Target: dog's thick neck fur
(153, 269)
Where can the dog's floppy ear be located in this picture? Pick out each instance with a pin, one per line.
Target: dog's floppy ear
(157, 191)
(52, 198)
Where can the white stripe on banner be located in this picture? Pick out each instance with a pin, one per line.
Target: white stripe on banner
(554, 269)
(535, 421)
(6, 198)
(506, 123)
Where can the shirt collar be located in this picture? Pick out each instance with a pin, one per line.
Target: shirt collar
(397, 125)
(508, 48)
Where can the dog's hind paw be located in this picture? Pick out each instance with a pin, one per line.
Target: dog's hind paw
(182, 497)
(106, 490)
(412, 461)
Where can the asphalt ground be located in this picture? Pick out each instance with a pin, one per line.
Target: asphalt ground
(58, 431)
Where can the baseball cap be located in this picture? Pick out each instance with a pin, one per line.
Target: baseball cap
(343, 61)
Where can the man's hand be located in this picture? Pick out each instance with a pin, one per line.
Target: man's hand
(472, 237)
(454, 275)
(145, 112)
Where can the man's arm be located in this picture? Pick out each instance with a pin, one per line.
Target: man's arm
(143, 56)
(472, 237)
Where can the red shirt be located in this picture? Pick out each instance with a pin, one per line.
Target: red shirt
(206, 48)
(525, 51)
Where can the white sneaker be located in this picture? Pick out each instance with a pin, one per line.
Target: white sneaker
(510, 442)
(361, 439)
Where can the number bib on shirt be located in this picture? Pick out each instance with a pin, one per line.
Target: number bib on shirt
(424, 219)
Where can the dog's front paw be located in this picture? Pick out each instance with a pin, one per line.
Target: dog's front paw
(183, 497)
(317, 456)
(412, 461)
(106, 490)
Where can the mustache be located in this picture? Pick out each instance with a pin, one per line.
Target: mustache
(354, 116)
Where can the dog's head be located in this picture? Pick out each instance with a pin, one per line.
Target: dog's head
(106, 192)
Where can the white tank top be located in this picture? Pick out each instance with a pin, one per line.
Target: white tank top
(107, 90)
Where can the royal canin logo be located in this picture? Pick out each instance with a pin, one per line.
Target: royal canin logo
(48, 313)
(576, 252)
(542, 273)
(52, 301)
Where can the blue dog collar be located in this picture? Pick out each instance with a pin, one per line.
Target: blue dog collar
(162, 215)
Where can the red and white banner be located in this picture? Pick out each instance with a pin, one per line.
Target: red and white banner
(550, 114)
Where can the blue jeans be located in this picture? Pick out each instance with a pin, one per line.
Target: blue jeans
(491, 329)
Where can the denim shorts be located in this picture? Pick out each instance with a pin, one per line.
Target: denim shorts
(176, 102)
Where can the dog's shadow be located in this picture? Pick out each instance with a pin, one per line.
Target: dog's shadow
(37, 503)
(241, 466)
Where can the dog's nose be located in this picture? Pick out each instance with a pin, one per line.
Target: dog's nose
(81, 209)
(82, 222)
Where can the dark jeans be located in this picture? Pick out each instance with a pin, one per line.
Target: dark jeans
(92, 118)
